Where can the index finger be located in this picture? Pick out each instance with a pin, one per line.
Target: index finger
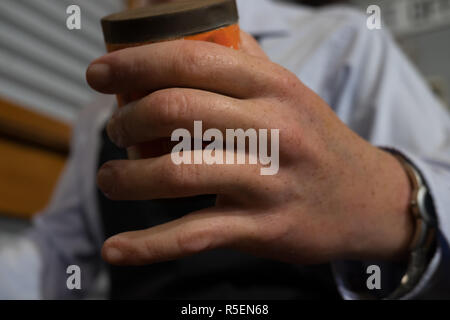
(184, 63)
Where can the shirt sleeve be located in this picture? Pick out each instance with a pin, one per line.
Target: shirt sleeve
(68, 232)
(20, 265)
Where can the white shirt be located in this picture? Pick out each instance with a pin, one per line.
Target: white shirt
(360, 73)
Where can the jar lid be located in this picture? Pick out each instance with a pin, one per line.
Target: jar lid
(168, 21)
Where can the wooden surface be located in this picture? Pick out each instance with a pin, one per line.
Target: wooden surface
(33, 151)
(30, 127)
(27, 178)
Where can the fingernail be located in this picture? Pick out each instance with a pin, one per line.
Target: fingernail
(113, 255)
(105, 180)
(99, 75)
(114, 132)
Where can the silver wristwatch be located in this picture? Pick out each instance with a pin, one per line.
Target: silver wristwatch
(424, 241)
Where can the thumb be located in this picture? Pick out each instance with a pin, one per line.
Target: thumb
(194, 233)
(251, 47)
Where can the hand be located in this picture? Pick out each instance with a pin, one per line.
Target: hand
(335, 195)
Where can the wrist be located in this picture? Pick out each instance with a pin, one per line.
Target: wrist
(404, 229)
(387, 227)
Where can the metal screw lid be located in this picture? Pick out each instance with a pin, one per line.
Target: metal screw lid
(168, 21)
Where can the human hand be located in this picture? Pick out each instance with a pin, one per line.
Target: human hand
(335, 196)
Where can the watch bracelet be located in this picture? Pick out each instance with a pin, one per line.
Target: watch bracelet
(424, 243)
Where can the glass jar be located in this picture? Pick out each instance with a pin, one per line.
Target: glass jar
(206, 20)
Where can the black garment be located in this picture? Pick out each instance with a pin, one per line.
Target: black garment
(218, 274)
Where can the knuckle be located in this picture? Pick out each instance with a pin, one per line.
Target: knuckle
(283, 83)
(180, 176)
(273, 229)
(186, 58)
(193, 56)
(292, 140)
(151, 252)
(168, 106)
(191, 242)
(288, 82)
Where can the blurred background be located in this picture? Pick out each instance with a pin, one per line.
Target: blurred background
(43, 88)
